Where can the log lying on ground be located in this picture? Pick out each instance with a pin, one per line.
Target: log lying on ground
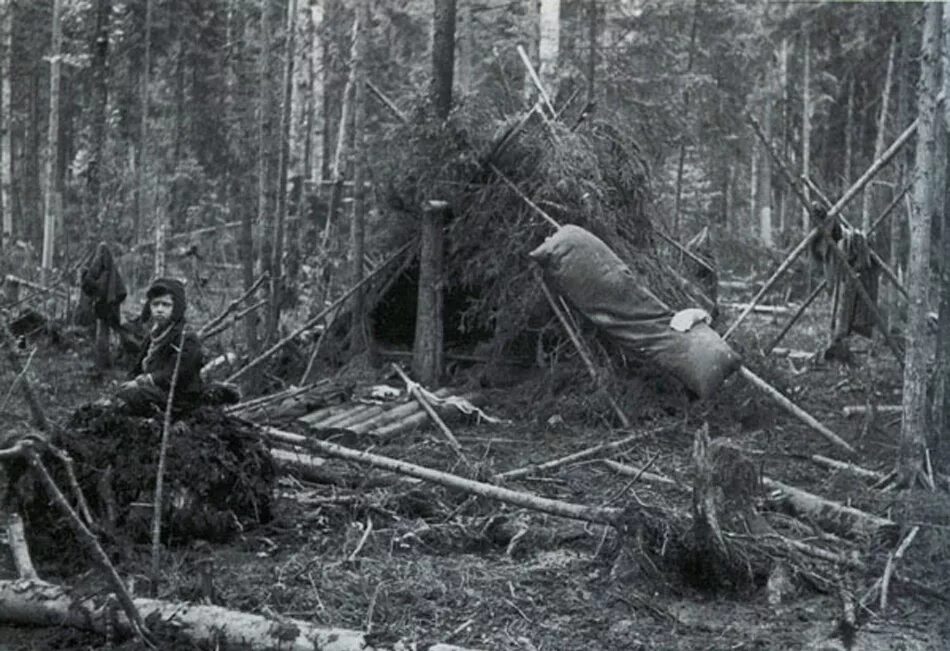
(36, 603)
(851, 410)
(560, 508)
(832, 516)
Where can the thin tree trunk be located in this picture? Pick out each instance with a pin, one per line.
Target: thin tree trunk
(806, 126)
(337, 175)
(428, 343)
(592, 31)
(867, 202)
(277, 278)
(52, 202)
(677, 201)
(141, 196)
(753, 183)
(765, 172)
(848, 131)
(100, 74)
(466, 47)
(549, 37)
(6, 121)
(532, 38)
(914, 424)
(264, 215)
(358, 225)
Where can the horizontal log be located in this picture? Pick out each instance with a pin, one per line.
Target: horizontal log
(851, 410)
(761, 309)
(835, 517)
(37, 603)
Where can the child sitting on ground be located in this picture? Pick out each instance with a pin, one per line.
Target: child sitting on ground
(151, 380)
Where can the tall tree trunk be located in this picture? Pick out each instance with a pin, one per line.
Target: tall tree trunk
(549, 44)
(277, 278)
(427, 346)
(337, 173)
(677, 201)
(238, 173)
(848, 135)
(899, 219)
(100, 100)
(914, 424)
(806, 124)
(141, 176)
(940, 407)
(6, 121)
(764, 198)
(592, 32)
(265, 216)
(753, 185)
(358, 224)
(466, 49)
(52, 202)
(867, 202)
(532, 37)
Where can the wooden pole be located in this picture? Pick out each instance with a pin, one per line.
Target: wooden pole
(796, 411)
(319, 317)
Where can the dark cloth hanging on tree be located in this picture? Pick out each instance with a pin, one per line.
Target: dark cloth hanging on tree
(854, 315)
(102, 283)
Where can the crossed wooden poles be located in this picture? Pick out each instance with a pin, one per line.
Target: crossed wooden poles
(823, 231)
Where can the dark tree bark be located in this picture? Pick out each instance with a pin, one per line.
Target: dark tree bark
(278, 281)
(915, 407)
(100, 99)
(428, 344)
(358, 224)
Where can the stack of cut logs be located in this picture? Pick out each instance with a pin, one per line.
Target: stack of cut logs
(380, 420)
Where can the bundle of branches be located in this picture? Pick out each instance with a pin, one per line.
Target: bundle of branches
(484, 167)
(219, 477)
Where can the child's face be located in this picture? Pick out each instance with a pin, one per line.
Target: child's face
(161, 308)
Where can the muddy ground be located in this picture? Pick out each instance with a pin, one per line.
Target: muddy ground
(440, 566)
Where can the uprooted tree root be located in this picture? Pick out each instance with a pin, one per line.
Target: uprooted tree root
(219, 477)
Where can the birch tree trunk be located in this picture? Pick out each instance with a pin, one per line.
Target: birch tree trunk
(358, 223)
(867, 199)
(549, 44)
(427, 350)
(914, 424)
(6, 122)
(52, 202)
(277, 277)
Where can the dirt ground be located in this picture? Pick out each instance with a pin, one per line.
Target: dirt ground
(435, 568)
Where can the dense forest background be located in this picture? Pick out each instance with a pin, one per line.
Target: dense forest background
(168, 111)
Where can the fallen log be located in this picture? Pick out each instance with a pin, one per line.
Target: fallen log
(562, 461)
(832, 516)
(851, 410)
(559, 508)
(760, 309)
(37, 603)
(846, 466)
(315, 418)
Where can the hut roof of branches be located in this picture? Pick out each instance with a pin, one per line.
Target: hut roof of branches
(485, 165)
